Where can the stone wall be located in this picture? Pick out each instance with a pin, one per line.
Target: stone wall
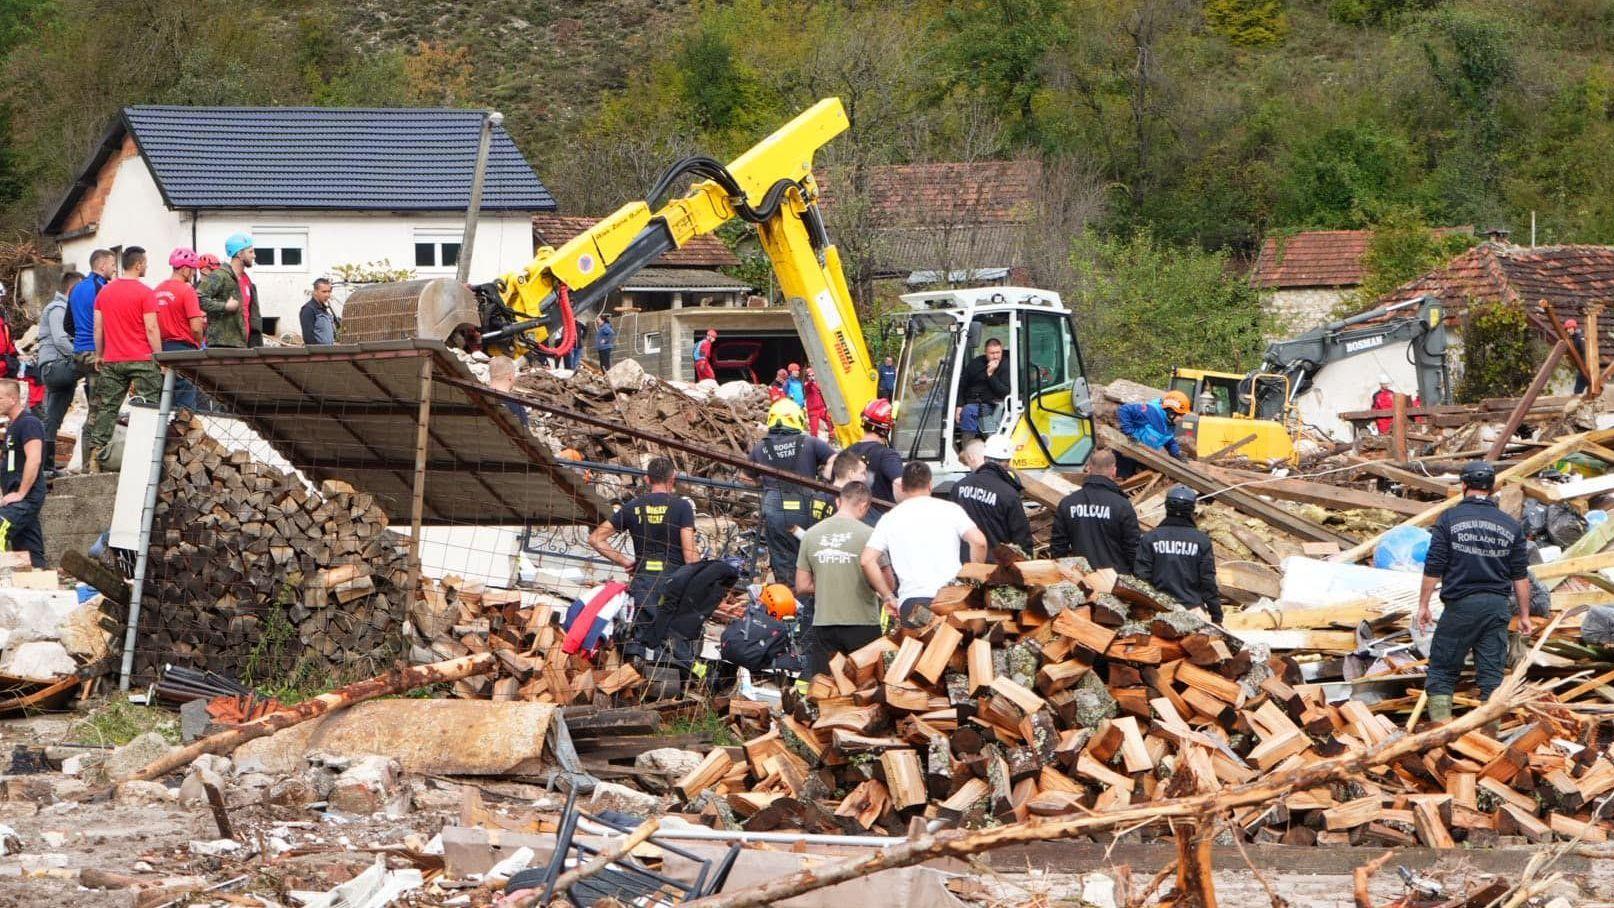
(1300, 310)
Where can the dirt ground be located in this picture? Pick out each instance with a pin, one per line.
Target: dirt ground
(309, 849)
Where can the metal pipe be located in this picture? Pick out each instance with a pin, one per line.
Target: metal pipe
(165, 405)
(473, 212)
(702, 834)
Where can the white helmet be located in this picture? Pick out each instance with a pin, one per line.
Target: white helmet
(999, 447)
(1384, 379)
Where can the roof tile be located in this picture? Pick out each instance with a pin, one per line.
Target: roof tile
(372, 159)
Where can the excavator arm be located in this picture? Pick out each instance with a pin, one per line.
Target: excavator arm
(770, 186)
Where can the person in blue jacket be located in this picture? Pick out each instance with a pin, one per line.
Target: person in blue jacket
(1154, 424)
(605, 341)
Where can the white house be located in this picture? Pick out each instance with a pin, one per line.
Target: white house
(316, 187)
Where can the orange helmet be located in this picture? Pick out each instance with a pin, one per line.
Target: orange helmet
(575, 455)
(779, 601)
(1176, 402)
(877, 415)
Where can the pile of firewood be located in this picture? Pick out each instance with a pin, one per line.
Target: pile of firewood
(454, 618)
(253, 574)
(1042, 689)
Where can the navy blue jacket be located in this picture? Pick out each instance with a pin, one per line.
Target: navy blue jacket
(1475, 548)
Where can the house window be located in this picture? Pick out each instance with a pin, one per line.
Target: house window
(279, 249)
(437, 249)
(652, 341)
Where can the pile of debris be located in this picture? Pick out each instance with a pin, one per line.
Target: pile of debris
(728, 418)
(1042, 689)
(522, 630)
(252, 573)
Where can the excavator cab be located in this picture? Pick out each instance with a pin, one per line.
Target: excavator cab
(1048, 409)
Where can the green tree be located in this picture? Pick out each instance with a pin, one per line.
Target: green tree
(1471, 56)
(1001, 48)
(1404, 246)
(1248, 23)
(1144, 308)
(1498, 359)
(1344, 176)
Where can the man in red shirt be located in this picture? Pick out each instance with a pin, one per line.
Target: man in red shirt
(126, 335)
(1383, 399)
(180, 319)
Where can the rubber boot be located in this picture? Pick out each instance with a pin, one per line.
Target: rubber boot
(1439, 708)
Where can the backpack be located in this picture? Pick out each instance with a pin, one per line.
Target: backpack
(754, 640)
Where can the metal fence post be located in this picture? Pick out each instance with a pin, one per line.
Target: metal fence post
(154, 475)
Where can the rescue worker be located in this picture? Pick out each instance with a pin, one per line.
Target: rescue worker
(1477, 554)
(1383, 399)
(1177, 557)
(661, 525)
(990, 494)
(884, 463)
(703, 356)
(794, 388)
(1154, 424)
(817, 407)
(1097, 521)
(788, 508)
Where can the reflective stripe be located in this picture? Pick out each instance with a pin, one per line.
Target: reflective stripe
(654, 566)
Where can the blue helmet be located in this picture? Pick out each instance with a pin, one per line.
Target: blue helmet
(236, 243)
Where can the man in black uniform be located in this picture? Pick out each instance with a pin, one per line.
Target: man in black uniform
(1097, 521)
(884, 464)
(662, 527)
(1477, 554)
(991, 494)
(787, 507)
(23, 477)
(1177, 557)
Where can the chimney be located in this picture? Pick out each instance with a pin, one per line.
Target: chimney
(1497, 234)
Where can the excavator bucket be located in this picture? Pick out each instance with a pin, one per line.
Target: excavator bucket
(431, 309)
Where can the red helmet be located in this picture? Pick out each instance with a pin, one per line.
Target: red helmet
(795, 367)
(877, 415)
(184, 257)
(207, 261)
(774, 394)
(1570, 324)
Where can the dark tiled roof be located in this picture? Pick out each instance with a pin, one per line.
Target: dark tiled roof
(899, 251)
(702, 251)
(1316, 258)
(1568, 277)
(368, 159)
(693, 279)
(945, 194)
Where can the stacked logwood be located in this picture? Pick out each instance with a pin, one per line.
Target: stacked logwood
(453, 617)
(1043, 689)
(253, 574)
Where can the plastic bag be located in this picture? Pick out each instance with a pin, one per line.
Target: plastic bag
(1402, 549)
(1597, 627)
(1564, 525)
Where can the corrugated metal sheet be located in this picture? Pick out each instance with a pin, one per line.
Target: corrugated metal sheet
(382, 159)
(349, 413)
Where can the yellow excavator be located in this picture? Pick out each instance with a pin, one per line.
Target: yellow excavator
(771, 186)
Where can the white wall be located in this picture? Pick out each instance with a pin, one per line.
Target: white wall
(1349, 385)
(135, 215)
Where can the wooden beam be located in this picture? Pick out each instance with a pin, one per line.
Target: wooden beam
(1591, 542)
(1565, 567)
(1398, 427)
(1191, 476)
(1319, 493)
(1516, 418)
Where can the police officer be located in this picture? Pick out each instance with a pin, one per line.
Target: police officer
(1177, 556)
(990, 494)
(661, 525)
(786, 507)
(1477, 555)
(1097, 521)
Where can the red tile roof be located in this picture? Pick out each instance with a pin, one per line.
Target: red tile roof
(947, 194)
(705, 251)
(1316, 258)
(1568, 277)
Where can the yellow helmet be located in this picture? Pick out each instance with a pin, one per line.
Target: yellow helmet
(785, 412)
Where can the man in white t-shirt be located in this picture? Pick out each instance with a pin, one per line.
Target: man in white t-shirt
(921, 535)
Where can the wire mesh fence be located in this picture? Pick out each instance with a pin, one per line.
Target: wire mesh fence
(322, 513)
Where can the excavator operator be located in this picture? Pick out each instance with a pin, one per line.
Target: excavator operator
(981, 391)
